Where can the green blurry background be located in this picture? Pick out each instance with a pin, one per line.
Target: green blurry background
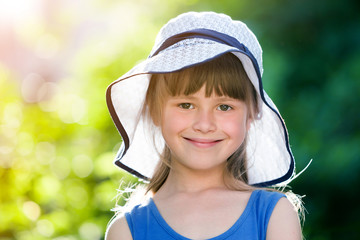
(57, 141)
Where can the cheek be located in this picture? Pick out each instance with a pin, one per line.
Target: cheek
(236, 127)
(172, 122)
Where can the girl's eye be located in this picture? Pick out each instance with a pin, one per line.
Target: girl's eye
(224, 107)
(186, 105)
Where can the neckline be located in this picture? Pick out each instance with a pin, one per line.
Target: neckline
(223, 235)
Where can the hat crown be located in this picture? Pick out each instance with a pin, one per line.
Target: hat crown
(212, 21)
(190, 39)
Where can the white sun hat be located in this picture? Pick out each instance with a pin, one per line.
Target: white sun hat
(187, 40)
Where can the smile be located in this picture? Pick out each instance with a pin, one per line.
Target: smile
(202, 143)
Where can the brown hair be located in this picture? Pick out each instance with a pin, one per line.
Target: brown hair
(224, 75)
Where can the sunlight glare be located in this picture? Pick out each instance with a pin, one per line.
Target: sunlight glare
(18, 10)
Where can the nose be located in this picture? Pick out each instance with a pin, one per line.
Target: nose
(204, 121)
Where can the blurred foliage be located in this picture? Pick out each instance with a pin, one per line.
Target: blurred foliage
(56, 172)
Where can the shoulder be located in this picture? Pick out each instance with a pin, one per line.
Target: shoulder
(266, 200)
(118, 229)
(123, 226)
(284, 222)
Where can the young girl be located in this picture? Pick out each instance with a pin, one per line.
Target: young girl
(198, 126)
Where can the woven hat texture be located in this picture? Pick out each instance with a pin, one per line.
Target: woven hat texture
(194, 39)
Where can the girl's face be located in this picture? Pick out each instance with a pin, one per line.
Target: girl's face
(202, 132)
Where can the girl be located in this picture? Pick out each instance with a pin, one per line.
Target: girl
(198, 126)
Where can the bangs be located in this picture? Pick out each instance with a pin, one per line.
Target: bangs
(223, 76)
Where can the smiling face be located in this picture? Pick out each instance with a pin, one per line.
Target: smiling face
(204, 112)
(203, 132)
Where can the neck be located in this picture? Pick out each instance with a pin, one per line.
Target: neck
(192, 181)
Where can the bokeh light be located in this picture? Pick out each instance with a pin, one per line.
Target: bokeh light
(31, 210)
(58, 142)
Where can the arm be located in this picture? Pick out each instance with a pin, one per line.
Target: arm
(284, 222)
(118, 230)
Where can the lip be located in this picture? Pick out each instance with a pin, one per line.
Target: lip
(203, 143)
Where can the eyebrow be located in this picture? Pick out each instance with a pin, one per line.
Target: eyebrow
(183, 97)
(226, 98)
(218, 98)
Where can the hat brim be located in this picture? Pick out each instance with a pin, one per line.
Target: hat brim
(270, 160)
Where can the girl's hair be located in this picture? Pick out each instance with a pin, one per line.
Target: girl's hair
(224, 75)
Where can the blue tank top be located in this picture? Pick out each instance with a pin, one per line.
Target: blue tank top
(145, 221)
